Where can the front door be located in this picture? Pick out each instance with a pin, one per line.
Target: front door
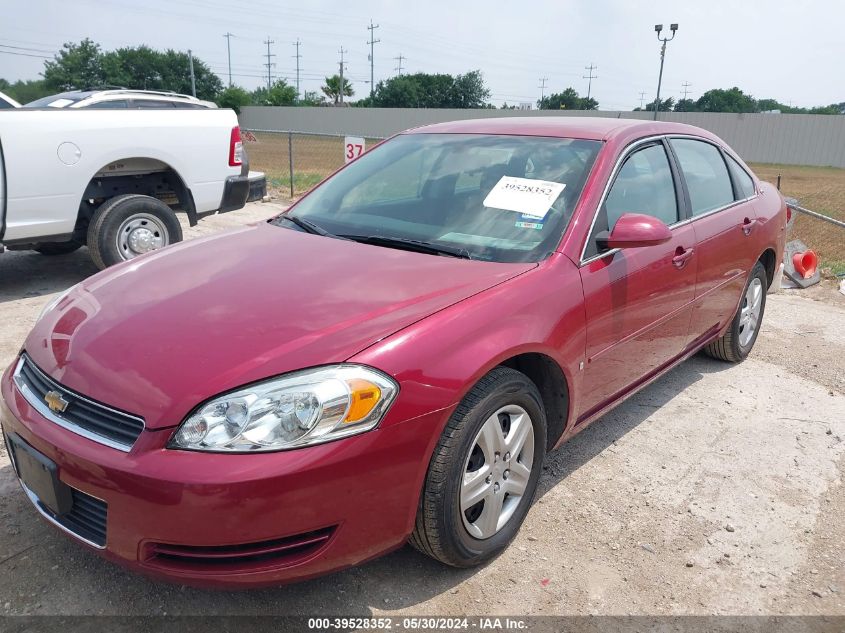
(638, 300)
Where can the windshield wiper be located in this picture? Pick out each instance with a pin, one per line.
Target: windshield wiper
(307, 226)
(408, 244)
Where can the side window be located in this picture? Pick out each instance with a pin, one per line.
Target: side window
(107, 105)
(705, 174)
(744, 183)
(150, 103)
(645, 185)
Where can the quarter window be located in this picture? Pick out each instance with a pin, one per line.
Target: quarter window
(644, 185)
(744, 183)
(705, 173)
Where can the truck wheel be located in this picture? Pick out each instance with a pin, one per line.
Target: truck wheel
(130, 225)
(484, 471)
(58, 248)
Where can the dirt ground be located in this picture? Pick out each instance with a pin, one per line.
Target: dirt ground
(716, 490)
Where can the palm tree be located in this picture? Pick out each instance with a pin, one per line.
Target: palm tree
(332, 88)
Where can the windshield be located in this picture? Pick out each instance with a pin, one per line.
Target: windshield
(496, 198)
(60, 100)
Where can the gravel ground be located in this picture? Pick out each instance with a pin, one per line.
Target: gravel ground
(716, 490)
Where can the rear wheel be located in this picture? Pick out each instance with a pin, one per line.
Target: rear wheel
(127, 226)
(484, 471)
(58, 248)
(735, 345)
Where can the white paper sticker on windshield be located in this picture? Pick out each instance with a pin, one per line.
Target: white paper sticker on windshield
(523, 195)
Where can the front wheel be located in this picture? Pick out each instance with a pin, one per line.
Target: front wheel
(127, 226)
(484, 471)
(735, 344)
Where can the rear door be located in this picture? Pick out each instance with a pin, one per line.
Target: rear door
(638, 301)
(723, 218)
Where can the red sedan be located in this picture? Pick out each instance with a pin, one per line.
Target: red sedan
(392, 358)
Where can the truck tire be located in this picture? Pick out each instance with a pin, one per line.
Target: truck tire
(126, 226)
(58, 248)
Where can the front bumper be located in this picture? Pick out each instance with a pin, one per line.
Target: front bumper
(179, 515)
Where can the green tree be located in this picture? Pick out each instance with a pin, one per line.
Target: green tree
(234, 97)
(25, 91)
(666, 105)
(423, 90)
(685, 105)
(731, 100)
(143, 68)
(332, 88)
(76, 66)
(569, 99)
(281, 94)
(311, 98)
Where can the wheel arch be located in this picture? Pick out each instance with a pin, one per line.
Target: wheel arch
(550, 379)
(769, 260)
(139, 174)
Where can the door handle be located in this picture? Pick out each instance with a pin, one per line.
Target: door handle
(681, 256)
(748, 225)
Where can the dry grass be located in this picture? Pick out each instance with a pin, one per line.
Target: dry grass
(821, 189)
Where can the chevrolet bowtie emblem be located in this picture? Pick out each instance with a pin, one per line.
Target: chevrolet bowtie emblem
(55, 401)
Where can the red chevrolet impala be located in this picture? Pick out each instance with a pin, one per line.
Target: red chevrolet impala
(392, 358)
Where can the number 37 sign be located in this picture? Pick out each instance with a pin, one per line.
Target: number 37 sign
(353, 147)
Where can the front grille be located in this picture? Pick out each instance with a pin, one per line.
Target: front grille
(83, 416)
(243, 557)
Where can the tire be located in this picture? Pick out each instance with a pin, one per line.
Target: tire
(443, 530)
(58, 248)
(735, 345)
(126, 226)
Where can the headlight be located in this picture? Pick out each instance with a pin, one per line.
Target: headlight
(52, 303)
(299, 409)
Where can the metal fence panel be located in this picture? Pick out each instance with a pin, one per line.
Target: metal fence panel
(791, 139)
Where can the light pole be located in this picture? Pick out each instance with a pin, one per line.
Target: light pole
(657, 29)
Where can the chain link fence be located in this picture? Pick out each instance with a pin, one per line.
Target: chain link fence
(294, 161)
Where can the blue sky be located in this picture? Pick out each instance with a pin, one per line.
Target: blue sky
(788, 50)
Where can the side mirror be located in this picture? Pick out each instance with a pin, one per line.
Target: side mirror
(634, 230)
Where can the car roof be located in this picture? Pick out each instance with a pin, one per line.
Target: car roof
(584, 127)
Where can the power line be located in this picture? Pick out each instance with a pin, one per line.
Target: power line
(229, 37)
(686, 86)
(269, 63)
(399, 59)
(25, 54)
(542, 87)
(590, 76)
(373, 41)
(297, 56)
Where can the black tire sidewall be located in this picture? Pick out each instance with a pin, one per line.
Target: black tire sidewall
(523, 393)
(113, 213)
(742, 351)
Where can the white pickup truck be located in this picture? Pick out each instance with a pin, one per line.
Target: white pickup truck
(113, 180)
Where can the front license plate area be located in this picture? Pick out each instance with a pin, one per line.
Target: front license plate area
(41, 475)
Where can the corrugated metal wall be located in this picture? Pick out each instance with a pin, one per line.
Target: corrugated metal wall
(792, 139)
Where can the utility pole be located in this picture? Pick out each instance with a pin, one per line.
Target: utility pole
(657, 29)
(686, 86)
(399, 59)
(542, 88)
(642, 98)
(373, 41)
(590, 76)
(229, 37)
(193, 79)
(269, 63)
(342, 64)
(297, 56)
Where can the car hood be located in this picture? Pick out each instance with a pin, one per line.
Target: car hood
(160, 334)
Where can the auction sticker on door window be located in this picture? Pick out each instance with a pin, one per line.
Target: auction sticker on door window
(524, 195)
